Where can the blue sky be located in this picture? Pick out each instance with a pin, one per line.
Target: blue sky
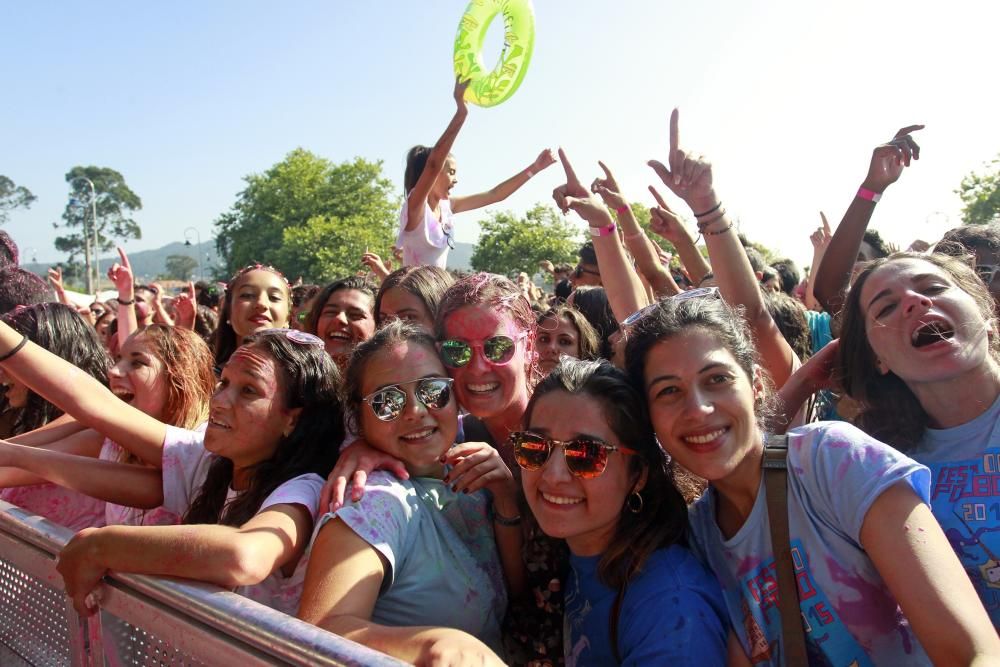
(787, 98)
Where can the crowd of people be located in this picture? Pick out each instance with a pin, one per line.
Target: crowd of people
(463, 468)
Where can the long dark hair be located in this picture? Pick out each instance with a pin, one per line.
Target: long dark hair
(309, 380)
(225, 342)
(416, 161)
(427, 283)
(890, 411)
(587, 337)
(351, 282)
(662, 519)
(60, 330)
(593, 303)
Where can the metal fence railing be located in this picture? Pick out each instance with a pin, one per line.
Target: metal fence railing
(148, 621)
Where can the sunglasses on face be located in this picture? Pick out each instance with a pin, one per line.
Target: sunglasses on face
(987, 272)
(498, 350)
(683, 296)
(388, 403)
(586, 458)
(579, 271)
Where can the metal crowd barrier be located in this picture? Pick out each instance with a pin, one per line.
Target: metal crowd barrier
(148, 621)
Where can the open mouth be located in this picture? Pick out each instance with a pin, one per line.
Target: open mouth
(420, 435)
(482, 388)
(339, 336)
(561, 500)
(217, 424)
(932, 332)
(123, 394)
(705, 438)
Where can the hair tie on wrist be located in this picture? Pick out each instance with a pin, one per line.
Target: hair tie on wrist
(17, 348)
(505, 521)
(711, 210)
(126, 302)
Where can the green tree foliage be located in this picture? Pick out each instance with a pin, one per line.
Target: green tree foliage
(510, 244)
(115, 204)
(981, 195)
(13, 196)
(180, 267)
(328, 213)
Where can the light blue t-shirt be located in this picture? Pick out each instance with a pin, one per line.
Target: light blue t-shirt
(672, 614)
(444, 567)
(965, 497)
(835, 473)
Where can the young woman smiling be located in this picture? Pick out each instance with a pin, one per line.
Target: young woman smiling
(564, 331)
(250, 482)
(257, 298)
(877, 581)
(342, 316)
(413, 566)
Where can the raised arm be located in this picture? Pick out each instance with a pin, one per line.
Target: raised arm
(417, 197)
(160, 314)
(544, 160)
(119, 483)
(121, 276)
(647, 261)
(666, 223)
(911, 552)
(625, 292)
(341, 587)
(690, 178)
(820, 240)
(80, 395)
(224, 555)
(56, 280)
(888, 161)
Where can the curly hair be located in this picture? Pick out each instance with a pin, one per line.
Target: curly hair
(890, 410)
(663, 520)
(308, 380)
(60, 330)
(500, 294)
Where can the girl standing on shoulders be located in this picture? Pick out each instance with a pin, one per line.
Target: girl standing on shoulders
(425, 221)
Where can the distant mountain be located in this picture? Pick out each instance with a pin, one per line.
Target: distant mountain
(148, 264)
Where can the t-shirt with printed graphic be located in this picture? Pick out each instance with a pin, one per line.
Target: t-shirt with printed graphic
(672, 614)
(444, 566)
(185, 465)
(427, 244)
(965, 497)
(835, 473)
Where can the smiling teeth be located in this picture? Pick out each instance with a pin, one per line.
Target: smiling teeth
(339, 335)
(217, 423)
(418, 435)
(484, 387)
(561, 500)
(702, 439)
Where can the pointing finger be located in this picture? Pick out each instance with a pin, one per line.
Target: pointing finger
(607, 172)
(826, 224)
(659, 199)
(121, 253)
(571, 178)
(906, 130)
(675, 140)
(662, 171)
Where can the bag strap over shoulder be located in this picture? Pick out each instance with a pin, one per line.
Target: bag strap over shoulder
(776, 488)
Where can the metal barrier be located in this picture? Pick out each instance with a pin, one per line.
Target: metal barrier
(143, 620)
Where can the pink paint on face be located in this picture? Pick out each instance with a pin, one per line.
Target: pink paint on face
(139, 377)
(248, 414)
(484, 389)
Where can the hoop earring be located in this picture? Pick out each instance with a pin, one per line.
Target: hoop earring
(634, 502)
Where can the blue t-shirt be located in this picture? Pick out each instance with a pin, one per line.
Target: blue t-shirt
(965, 497)
(835, 473)
(672, 614)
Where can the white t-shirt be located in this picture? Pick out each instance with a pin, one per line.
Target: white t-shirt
(427, 245)
(185, 466)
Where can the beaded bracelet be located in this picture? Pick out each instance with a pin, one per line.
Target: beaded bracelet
(721, 231)
(702, 224)
(24, 341)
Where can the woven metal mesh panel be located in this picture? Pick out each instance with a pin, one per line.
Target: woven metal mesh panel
(126, 644)
(33, 621)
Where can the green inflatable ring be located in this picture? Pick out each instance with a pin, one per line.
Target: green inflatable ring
(488, 89)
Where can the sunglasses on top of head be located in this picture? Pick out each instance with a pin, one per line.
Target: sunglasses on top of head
(388, 403)
(497, 350)
(681, 296)
(586, 458)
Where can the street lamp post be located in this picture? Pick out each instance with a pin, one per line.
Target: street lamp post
(197, 252)
(92, 283)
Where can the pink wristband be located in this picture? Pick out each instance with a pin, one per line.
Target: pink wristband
(870, 195)
(622, 210)
(603, 231)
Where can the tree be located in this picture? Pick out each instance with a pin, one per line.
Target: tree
(509, 244)
(115, 202)
(981, 195)
(327, 213)
(180, 267)
(13, 196)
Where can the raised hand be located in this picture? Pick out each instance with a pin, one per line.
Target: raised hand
(608, 189)
(664, 221)
(460, 88)
(374, 262)
(889, 159)
(689, 175)
(185, 308)
(572, 195)
(121, 275)
(821, 237)
(544, 160)
(56, 279)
